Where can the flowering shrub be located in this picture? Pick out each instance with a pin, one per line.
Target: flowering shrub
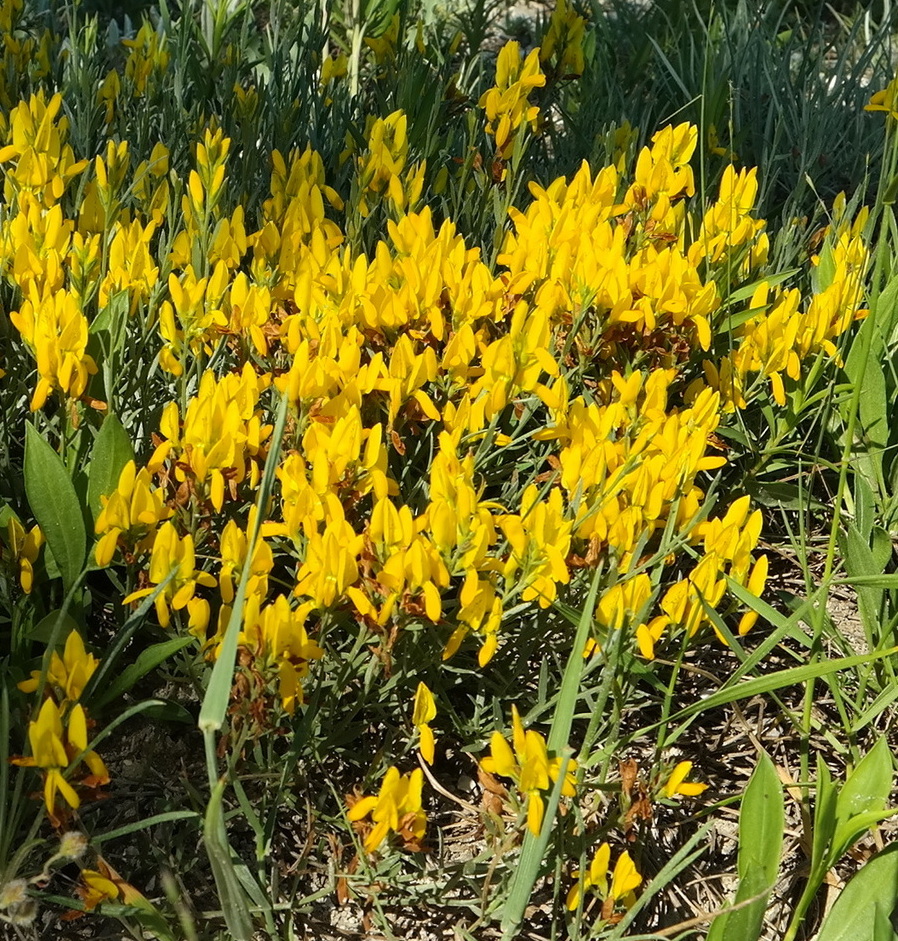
(311, 431)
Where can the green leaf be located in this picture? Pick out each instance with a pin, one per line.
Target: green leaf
(824, 816)
(144, 824)
(785, 495)
(850, 830)
(886, 313)
(862, 910)
(230, 891)
(778, 680)
(114, 651)
(761, 825)
(869, 785)
(534, 847)
(148, 660)
(111, 452)
(745, 292)
(863, 797)
(218, 692)
(46, 629)
(54, 503)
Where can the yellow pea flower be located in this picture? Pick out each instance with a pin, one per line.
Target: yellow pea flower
(424, 711)
(506, 104)
(396, 809)
(52, 750)
(55, 329)
(24, 548)
(624, 881)
(170, 550)
(677, 783)
(69, 673)
(885, 100)
(276, 636)
(130, 514)
(528, 764)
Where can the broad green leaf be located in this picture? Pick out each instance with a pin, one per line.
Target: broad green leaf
(869, 785)
(862, 799)
(848, 831)
(6, 514)
(863, 506)
(881, 547)
(863, 909)
(54, 503)
(148, 660)
(47, 628)
(887, 313)
(761, 825)
(111, 452)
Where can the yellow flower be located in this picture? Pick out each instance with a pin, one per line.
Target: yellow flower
(424, 712)
(540, 540)
(234, 542)
(677, 783)
(130, 513)
(885, 100)
(56, 330)
(562, 44)
(222, 437)
(24, 548)
(148, 56)
(624, 881)
(44, 163)
(506, 103)
(396, 809)
(528, 764)
(330, 569)
(69, 673)
(169, 550)
(276, 635)
(53, 749)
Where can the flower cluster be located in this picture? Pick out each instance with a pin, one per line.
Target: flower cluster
(465, 436)
(526, 761)
(58, 736)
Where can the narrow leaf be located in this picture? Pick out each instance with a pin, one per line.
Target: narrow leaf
(148, 660)
(230, 892)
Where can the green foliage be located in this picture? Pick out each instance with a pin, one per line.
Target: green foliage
(55, 505)
(761, 826)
